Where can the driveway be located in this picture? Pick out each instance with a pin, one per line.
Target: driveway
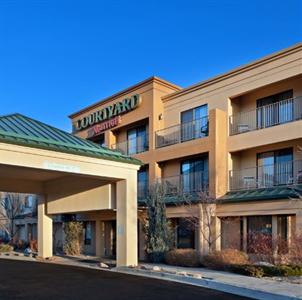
(30, 280)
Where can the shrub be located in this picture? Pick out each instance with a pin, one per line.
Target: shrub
(6, 248)
(260, 247)
(295, 250)
(183, 258)
(223, 258)
(73, 238)
(269, 271)
(248, 270)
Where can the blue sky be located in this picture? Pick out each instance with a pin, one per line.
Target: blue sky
(58, 56)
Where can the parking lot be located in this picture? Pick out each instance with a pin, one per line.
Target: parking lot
(31, 280)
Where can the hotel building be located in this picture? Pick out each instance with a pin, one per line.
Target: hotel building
(237, 136)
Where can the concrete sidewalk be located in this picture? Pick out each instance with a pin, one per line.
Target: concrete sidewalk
(255, 288)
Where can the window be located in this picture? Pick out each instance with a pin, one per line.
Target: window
(185, 234)
(282, 228)
(194, 174)
(142, 182)
(275, 109)
(100, 139)
(88, 233)
(29, 201)
(259, 234)
(137, 140)
(275, 167)
(194, 123)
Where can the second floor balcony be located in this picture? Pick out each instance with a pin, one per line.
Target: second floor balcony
(278, 113)
(182, 132)
(266, 176)
(185, 186)
(133, 146)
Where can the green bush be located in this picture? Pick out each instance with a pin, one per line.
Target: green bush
(6, 248)
(183, 258)
(269, 271)
(223, 258)
(248, 270)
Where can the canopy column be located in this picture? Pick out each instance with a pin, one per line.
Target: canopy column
(44, 229)
(126, 192)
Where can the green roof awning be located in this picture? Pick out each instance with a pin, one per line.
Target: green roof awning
(190, 198)
(272, 193)
(21, 130)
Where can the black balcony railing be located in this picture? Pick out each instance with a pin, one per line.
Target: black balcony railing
(281, 112)
(189, 183)
(132, 146)
(266, 176)
(182, 132)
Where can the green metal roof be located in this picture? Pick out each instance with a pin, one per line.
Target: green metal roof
(273, 193)
(21, 130)
(190, 198)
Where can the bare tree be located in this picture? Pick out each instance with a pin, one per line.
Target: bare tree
(201, 215)
(10, 208)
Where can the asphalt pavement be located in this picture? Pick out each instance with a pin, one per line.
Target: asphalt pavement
(31, 280)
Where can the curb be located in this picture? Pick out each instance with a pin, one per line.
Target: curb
(209, 283)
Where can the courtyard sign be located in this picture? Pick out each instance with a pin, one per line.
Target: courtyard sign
(101, 127)
(109, 112)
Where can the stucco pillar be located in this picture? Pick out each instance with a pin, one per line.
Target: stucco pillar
(244, 234)
(200, 241)
(44, 229)
(154, 172)
(217, 230)
(275, 235)
(299, 222)
(99, 238)
(126, 229)
(204, 229)
(218, 159)
(110, 138)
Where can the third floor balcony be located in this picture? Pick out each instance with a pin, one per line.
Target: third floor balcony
(265, 116)
(183, 132)
(266, 176)
(133, 146)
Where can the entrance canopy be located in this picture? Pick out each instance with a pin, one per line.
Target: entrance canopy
(70, 175)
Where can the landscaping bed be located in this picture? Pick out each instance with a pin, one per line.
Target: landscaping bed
(231, 260)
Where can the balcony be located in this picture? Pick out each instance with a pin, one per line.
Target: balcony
(267, 176)
(186, 184)
(132, 146)
(182, 132)
(282, 112)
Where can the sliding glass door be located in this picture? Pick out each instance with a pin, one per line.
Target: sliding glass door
(137, 140)
(194, 123)
(194, 175)
(275, 168)
(275, 109)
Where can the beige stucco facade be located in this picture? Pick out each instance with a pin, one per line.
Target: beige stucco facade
(226, 147)
(236, 137)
